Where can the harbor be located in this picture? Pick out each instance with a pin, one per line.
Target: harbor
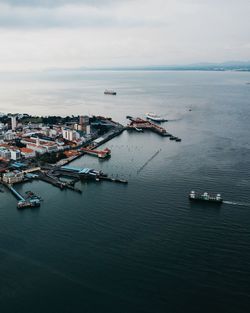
(135, 240)
(61, 174)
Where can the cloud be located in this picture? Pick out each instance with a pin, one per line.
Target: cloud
(41, 34)
(74, 16)
(54, 3)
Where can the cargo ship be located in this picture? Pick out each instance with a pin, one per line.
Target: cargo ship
(109, 92)
(193, 196)
(156, 118)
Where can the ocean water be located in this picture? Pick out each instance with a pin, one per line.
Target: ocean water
(140, 247)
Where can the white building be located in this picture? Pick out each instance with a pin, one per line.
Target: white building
(13, 177)
(13, 122)
(5, 153)
(15, 155)
(52, 133)
(69, 134)
(9, 135)
(88, 130)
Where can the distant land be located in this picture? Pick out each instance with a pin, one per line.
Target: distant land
(225, 66)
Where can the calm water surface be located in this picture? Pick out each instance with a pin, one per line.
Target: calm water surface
(141, 247)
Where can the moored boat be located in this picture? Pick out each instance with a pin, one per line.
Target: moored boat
(154, 117)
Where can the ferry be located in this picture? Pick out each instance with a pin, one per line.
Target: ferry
(193, 196)
(109, 92)
(156, 118)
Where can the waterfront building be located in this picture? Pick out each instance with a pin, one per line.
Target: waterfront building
(13, 177)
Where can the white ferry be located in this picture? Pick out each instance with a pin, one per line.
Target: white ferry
(156, 118)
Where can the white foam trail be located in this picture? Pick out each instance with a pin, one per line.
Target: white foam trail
(236, 203)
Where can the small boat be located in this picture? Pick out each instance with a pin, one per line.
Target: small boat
(140, 130)
(172, 138)
(156, 118)
(193, 196)
(178, 139)
(109, 92)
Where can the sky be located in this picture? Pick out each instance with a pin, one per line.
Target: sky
(44, 34)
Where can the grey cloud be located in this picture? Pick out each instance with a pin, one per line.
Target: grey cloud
(55, 3)
(71, 16)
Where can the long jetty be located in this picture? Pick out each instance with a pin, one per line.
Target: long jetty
(16, 193)
(22, 202)
(86, 174)
(53, 180)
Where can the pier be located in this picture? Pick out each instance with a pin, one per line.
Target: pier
(85, 174)
(109, 135)
(16, 193)
(101, 154)
(50, 178)
(29, 202)
(140, 125)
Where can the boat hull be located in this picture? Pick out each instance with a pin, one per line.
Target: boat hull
(155, 118)
(197, 199)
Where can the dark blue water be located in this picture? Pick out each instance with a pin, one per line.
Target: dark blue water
(140, 247)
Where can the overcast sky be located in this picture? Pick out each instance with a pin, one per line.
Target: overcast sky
(40, 34)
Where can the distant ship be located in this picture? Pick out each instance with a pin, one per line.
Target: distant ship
(156, 118)
(109, 92)
(193, 196)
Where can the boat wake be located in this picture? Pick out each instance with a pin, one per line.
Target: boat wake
(237, 203)
(175, 119)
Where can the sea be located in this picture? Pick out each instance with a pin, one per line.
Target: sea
(141, 247)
